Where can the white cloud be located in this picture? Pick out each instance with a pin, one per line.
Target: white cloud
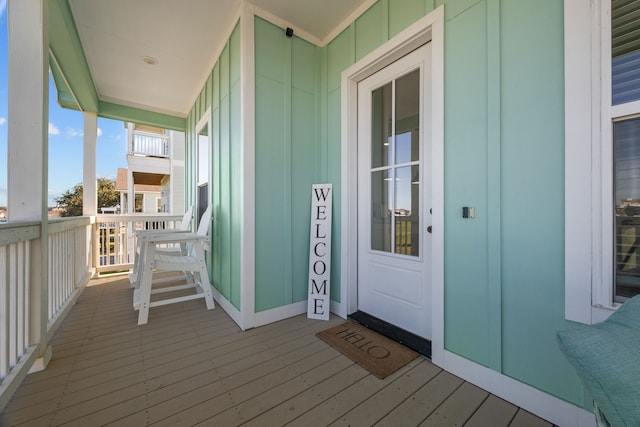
(99, 132)
(53, 130)
(2, 121)
(3, 6)
(71, 132)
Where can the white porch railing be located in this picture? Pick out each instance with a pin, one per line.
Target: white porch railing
(30, 310)
(69, 261)
(115, 235)
(150, 144)
(23, 306)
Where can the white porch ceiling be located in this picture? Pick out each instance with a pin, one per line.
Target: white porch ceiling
(184, 37)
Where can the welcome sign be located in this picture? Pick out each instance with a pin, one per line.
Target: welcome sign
(320, 252)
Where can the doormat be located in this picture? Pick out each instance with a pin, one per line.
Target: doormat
(374, 352)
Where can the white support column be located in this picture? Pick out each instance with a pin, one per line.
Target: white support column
(131, 195)
(130, 129)
(28, 84)
(89, 178)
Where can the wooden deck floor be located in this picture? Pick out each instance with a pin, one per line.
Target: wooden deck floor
(189, 366)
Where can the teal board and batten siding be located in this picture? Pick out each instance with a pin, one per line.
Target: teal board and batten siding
(504, 154)
(286, 87)
(533, 195)
(221, 96)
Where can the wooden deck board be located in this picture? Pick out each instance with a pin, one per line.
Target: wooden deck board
(334, 406)
(377, 406)
(413, 410)
(458, 408)
(527, 419)
(495, 412)
(191, 366)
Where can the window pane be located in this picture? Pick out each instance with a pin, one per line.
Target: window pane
(626, 136)
(408, 118)
(407, 213)
(203, 158)
(381, 209)
(203, 200)
(381, 99)
(625, 49)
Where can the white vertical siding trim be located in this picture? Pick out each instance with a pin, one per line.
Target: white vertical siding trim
(578, 101)
(247, 96)
(588, 278)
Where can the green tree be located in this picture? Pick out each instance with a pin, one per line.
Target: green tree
(71, 200)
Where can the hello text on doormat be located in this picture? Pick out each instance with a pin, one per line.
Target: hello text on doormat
(374, 352)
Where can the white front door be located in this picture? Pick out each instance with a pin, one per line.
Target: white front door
(394, 194)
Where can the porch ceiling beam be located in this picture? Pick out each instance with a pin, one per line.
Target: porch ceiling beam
(68, 58)
(140, 116)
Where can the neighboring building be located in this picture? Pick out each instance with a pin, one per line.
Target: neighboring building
(155, 171)
(526, 111)
(147, 197)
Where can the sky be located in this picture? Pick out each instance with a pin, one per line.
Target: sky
(65, 137)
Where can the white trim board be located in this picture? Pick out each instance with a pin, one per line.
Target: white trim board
(228, 308)
(279, 313)
(529, 398)
(588, 161)
(247, 138)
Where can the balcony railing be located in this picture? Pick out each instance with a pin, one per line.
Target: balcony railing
(115, 237)
(150, 144)
(30, 310)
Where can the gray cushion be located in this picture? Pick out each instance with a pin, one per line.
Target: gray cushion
(607, 358)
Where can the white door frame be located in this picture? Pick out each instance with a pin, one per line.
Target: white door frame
(430, 28)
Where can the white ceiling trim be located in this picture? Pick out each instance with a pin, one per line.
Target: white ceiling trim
(347, 21)
(282, 23)
(214, 58)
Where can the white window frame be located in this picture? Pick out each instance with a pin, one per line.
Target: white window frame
(589, 259)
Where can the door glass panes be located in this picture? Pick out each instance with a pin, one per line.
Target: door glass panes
(381, 208)
(626, 136)
(407, 211)
(381, 104)
(625, 51)
(395, 166)
(407, 118)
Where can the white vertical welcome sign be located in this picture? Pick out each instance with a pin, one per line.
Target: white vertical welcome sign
(320, 252)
